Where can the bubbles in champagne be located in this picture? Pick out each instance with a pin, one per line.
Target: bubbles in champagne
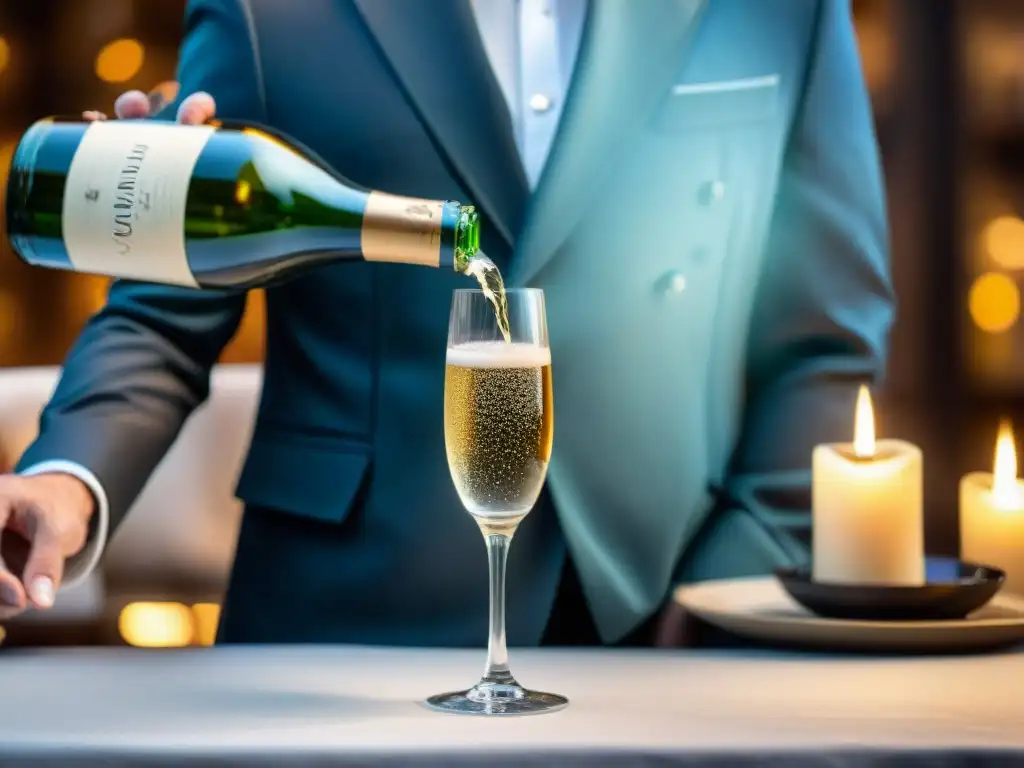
(486, 273)
(499, 425)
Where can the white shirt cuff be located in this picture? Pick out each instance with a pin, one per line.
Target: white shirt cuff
(79, 566)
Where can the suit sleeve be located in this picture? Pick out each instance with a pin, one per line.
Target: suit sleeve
(823, 312)
(142, 364)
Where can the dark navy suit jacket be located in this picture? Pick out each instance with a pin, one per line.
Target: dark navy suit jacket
(711, 238)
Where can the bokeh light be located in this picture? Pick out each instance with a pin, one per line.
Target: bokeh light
(156, 625)
(1003, 238)
(205, 619)
(120, 60)
(994, 302)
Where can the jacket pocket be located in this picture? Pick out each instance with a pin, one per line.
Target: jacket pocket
(717, 105)
(316, 478)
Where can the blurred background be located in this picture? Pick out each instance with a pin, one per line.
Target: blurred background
(947, 82)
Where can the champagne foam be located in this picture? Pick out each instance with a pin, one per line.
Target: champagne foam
(498, 354)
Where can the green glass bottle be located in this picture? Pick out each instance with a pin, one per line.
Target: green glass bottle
(221, 205)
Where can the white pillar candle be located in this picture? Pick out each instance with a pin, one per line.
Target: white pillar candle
(992, 515)
(867, 507)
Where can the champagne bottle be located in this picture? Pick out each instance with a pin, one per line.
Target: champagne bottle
(221, 205)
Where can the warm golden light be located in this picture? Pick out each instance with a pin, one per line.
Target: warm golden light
(243, 191)
(93, 294)
(1004, 476)
(5, 54)
(156, 625)
(206, 616)
(163, 94)
(120, 60)
(1004, 241)
(248, 342)
(10, 309)
(6, 155)
(994, 302)
(864, 425)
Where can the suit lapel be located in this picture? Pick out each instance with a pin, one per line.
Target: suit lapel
(630, 53)
(435, 50)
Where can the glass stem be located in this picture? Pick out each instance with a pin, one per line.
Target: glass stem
(497, 671)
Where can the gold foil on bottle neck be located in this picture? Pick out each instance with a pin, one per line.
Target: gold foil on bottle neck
(405, 230)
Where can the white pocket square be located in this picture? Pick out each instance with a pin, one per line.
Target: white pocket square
(723, 86)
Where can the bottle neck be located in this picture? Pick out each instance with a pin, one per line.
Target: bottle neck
(409, 230)
(467, 237)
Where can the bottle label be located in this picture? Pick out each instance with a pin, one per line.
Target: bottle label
(402, 229)
(124, 200)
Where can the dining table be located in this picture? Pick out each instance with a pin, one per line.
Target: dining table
(332, 705)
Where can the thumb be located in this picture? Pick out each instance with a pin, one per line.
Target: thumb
(132, 105)
(197, 108)
(45, 565)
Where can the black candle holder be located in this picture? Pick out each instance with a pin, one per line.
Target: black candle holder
(952, 590)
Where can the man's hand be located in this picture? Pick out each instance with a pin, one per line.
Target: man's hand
(43, 520)
(133, 105)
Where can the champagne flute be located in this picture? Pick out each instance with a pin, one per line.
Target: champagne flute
(498, 428)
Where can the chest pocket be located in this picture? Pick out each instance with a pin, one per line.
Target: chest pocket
(719, 135)
(704, 167)
(692, 107)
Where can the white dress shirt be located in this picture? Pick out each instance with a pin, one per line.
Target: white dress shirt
(532, 47)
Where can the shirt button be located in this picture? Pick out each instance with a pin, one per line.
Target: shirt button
(540, 103)
(672, 283)
(713, 192)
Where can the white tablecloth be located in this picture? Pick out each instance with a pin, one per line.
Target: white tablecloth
(345, 706)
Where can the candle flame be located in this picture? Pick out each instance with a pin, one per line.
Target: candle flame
(864, 425)
(1004, 475)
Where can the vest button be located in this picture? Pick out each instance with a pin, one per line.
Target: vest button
(540, 103)
(672, 283)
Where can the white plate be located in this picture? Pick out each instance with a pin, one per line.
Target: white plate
(759, 608)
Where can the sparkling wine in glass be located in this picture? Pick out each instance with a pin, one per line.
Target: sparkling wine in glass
(498, 429)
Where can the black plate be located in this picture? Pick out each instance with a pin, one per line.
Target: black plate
(953, 590)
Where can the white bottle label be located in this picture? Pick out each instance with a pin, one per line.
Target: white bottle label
(124, 200)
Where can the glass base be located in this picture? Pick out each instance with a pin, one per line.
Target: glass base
(497, 699)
